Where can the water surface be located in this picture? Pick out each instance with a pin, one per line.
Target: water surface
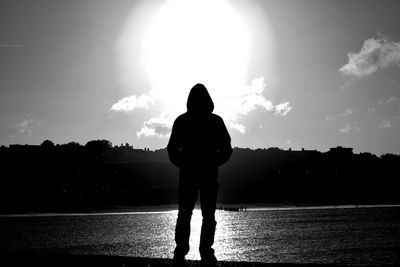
(352, 236)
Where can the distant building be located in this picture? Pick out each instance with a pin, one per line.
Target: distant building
(341, 151)
(18, 147)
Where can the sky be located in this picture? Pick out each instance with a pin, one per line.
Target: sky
(310, 74)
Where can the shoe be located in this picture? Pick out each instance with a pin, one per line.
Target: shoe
(208, 261)
(179, 262)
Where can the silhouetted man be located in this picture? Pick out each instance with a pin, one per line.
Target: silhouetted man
(198, 145)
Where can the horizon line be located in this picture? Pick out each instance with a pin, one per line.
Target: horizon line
(84, 214)
(236, 147)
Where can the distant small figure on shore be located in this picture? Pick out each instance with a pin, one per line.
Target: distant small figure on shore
(232, 208)
(198, 145)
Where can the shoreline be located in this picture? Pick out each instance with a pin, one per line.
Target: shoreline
(125, 210)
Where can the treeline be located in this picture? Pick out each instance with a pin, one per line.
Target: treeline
(97, 175)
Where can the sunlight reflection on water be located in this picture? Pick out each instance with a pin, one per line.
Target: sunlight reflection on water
(341, 236)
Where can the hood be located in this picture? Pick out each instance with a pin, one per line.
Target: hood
(199, 100)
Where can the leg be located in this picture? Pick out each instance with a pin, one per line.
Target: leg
(187, 199)
(208, 198)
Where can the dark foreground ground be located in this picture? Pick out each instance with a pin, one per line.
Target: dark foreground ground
(101, 260)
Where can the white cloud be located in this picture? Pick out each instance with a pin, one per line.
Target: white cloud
(389, 110)
(26, 127)
(154, 128)
(157, 127)
(393, 122)
(389, 106)
(29, 125)
(331, 117)
(248, 99)
(234, 106)
(282, 109)
(387, 124)
(389, 101)
(252, 101)
(132, 102)
(244, 100)
(375, 54)
(344, 114)
(238, 127)
(349, 128)
(348, 112)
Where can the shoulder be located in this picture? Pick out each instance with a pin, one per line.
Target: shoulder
(181, 119)
(216, 118)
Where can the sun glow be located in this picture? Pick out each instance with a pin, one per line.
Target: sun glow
(165, 50)
(195, 41)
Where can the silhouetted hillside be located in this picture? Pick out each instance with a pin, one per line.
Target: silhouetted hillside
(72, 177)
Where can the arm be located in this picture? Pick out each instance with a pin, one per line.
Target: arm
(224, 144)
(174, 146)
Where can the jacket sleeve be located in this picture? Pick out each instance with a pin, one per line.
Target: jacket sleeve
(174, 146)
(224, 144)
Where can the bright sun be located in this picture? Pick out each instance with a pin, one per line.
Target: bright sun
(165, 50)
(195, 41)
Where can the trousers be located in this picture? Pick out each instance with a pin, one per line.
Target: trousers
(189, 190)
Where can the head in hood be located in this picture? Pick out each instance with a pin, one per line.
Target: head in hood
(199, 100)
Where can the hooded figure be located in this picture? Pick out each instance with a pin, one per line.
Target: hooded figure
(198, 145)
